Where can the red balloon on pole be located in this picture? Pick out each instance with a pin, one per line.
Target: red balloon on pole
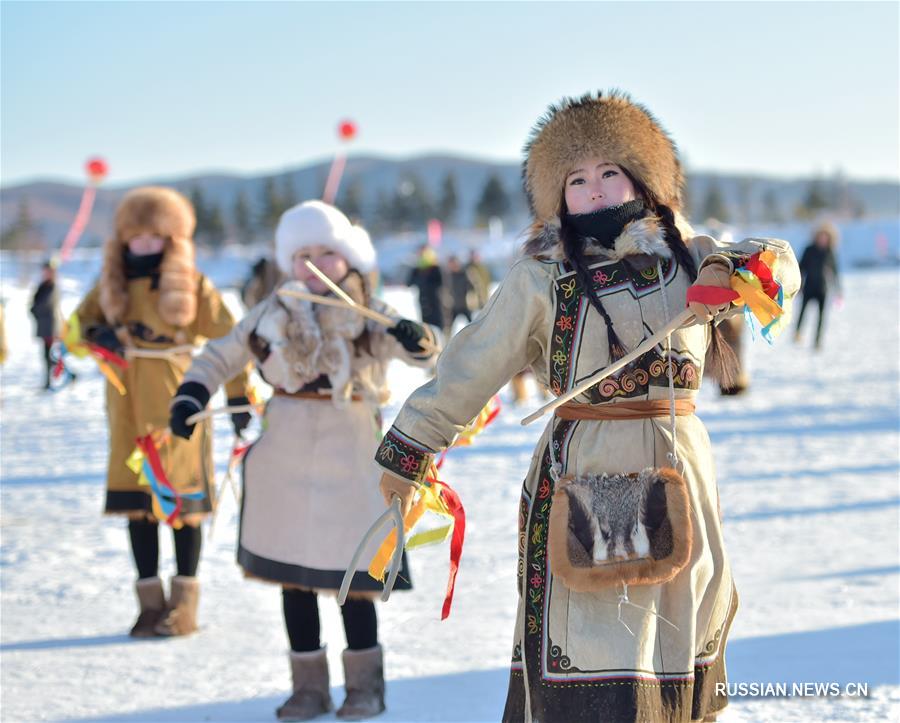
(96, 169)
(347, 130)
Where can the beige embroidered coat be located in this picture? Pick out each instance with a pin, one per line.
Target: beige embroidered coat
(572, 660)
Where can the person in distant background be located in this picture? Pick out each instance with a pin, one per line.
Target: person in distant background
(45, 310)
(429, 280)
(459, 299)
(480, 276)
(818, 266)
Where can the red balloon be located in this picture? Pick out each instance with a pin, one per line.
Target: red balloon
(96, 168)
(347, 130)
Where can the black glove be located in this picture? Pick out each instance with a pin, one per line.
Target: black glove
(409, 334)
(105, 336)
(240, 420)
(190, 398)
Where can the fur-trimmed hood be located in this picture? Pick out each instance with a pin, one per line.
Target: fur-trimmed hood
(643, 236)
(166, 213)
(611, 126)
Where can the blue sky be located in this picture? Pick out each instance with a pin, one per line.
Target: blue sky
(170, 89)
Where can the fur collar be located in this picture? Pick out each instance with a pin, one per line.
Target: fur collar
(644, 236)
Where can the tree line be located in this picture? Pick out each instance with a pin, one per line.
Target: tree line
(409, 206)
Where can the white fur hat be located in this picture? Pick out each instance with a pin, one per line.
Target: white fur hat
(313, 222)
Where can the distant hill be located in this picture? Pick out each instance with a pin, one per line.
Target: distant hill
(53, 205)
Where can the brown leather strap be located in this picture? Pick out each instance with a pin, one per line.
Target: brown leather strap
(641, 409)
(317, 396)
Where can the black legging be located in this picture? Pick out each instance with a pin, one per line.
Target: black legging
(301, 618)
(819, 298)
(145, 548)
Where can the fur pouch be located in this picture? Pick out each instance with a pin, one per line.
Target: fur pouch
(610, 529)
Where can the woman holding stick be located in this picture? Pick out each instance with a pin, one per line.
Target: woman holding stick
(151, 306)
(609, 262)
(309, 488)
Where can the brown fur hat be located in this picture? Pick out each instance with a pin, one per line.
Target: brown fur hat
(612, 126)
(166, 213)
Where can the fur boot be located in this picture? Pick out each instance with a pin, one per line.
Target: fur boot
(364, 682)
(311, 697)
(152, 601)
(181, 614)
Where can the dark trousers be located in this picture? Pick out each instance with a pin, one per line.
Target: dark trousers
(48, 362)
(451, 317)
(301, 618)
(819, 298)
(144, 537)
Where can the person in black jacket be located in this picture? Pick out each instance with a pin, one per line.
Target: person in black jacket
(429, 279)
(45, 310)
(818, 266)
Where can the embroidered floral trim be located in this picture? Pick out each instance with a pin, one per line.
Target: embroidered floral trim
(403, 456)
(533, 560)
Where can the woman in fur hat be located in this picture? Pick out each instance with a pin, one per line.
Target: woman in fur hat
(309, 486)
(604, 184)
(150, 296)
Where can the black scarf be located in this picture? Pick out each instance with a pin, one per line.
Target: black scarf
(606, 225)
(140, 265)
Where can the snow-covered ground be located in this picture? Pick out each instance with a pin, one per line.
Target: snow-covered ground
(808, 471)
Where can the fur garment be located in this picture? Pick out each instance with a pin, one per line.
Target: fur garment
(644, 236)
(610, 126)
(166, 213)
(306, 341)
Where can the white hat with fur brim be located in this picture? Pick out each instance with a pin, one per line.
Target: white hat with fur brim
(313, 223)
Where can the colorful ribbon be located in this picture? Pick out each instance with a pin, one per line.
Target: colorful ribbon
(753, 286)
(487, 415)
(167, 501)
(439, 498)
(73, 343)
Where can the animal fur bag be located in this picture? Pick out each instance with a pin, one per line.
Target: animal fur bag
(610, 529)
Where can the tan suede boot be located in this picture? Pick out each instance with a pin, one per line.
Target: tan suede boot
(364, 682)
(312, 695)
(152, 601)
(181, 614)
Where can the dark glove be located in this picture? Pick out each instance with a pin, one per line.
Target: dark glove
(240, 420)
(190, 398)
(409, 334)
(105, 336)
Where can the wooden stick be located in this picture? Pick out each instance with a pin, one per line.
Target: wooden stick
(331, 301)
(206, 413)
(335, 289)
(133, 352)
(683, 319)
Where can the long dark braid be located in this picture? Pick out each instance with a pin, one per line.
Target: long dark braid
(573, 247)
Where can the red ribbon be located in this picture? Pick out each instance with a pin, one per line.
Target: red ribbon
(240, 449)
(454, 505)
(764, 274)
(148, 447)
(711, 295)
(107, 355)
